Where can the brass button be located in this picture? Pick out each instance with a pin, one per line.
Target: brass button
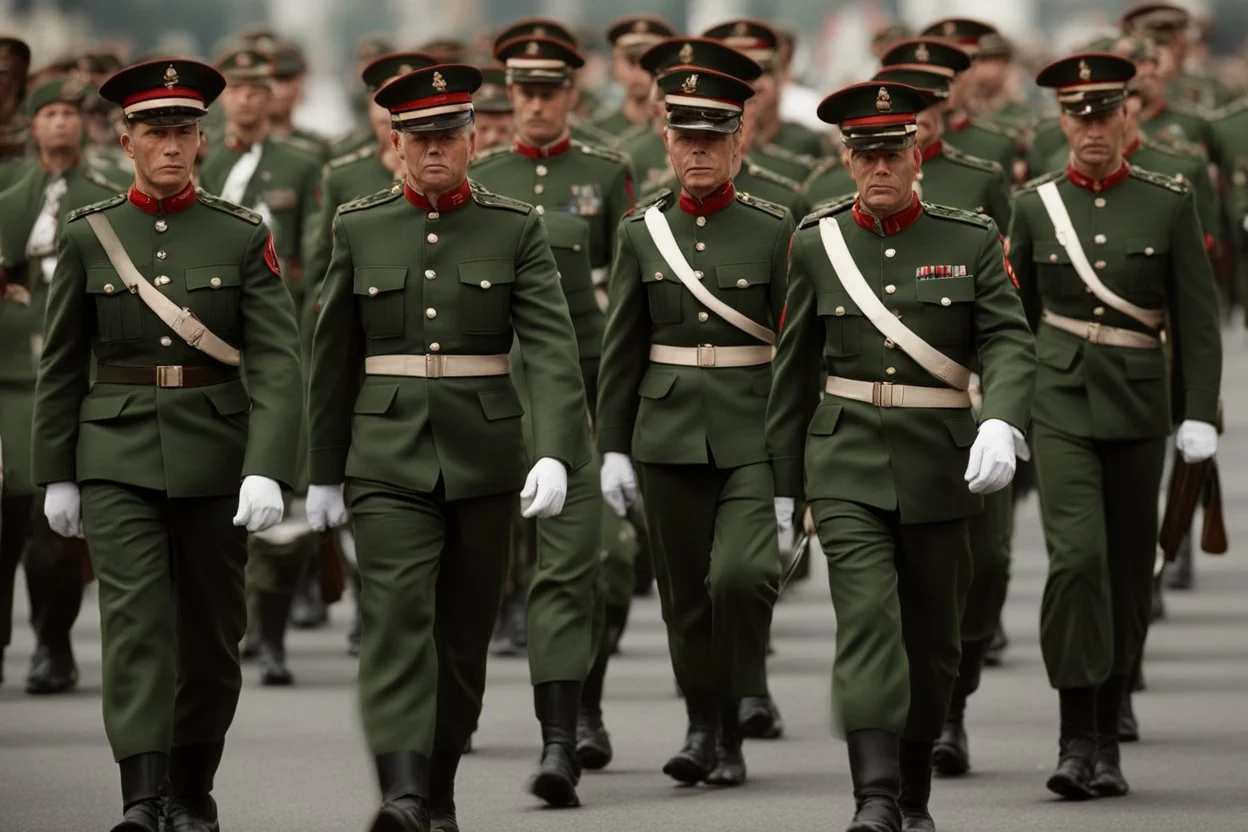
(431, 313)
(702, 316)
(161, 226)
(1100, 264)
(889, 344)
(215, 283)
(541, 170)
(109, 288)
(890, 252)
(698, 275)
(432, 238)
(430, 274)
(1149, 251)
(1052, 258)
(889, 289)
(433, 215)
(1099, 239)
(161, 280)
(372, 291)
(1099, 202)
(166, 341)
(576, 246)
(658, 275)
(892, 371)
(1098, 311)
(435, 346)
(839, 311)
(699, 247)
(945, 302)
(742, 283)
(541, 210)
(701, 221)
(160, 255)
(485, 284)
(538, 188)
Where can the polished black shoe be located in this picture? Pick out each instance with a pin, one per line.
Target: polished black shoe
(52, 671)
(557, 775)
(875, 768)
(273, 609)
(1072, 779)
(143, 778)
(442, 819)
(1178, 573)
(1157, 611)
(273, 669)
(559, 770)
(511, 635)
(1128, 725)
(593, 743)
(760, 718)
(1107, 778)
(916, 787)
(192, 814)
(696, 760)
(995, 655)
(144, 816)
(402, 814)
(729, 758)
(308, 611)
(951, 756)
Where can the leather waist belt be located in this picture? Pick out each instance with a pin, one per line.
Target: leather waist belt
(437, 366)
(1098, 333)
(166, 375)
(708, 356)
(887, 394)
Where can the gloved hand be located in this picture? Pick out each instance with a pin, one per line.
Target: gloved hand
(808, 522)
(992, 461)
(326, 507)
(619, 481)
(784, 513)
(1196, 441)
(62, 505)
(545, 489)
(260, 504)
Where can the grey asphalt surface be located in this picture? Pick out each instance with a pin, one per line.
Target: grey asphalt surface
(295, 760)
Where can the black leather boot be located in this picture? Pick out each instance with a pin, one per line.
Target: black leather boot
(143, 777)
(916, 787)
(696, 760)
(1128, 726)
(760, 718)
(52, 669)
(875, 768)
(308, 611)
(1178, 573)
(404, 780)
(593, 743)
(951, 756)
(191, 771)
(250, 648)
(1072, 779)
(559, 770)
(357, 622)
(274, 610)
(995, 655)
(441, 804)
(730, 760)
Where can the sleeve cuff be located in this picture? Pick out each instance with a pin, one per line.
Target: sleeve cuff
(789, 476)
(615, 439)
(1201, 405)
(327, 466)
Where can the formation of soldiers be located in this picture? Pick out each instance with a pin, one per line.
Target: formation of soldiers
(484, 350)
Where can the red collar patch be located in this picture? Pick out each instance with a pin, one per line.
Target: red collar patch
(1080, 180)
(890, 225)
(449, 201)
(169, 205)
(715, 202)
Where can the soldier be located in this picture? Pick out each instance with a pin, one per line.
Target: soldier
(1106, 253)
(366, 51)
(832, 179)
(145, 459)
(289, 72)
(884, 457)
(432, 504)
(495, 115)
(14, 63)
(883, 38)
(994, 93)
(1230, 137)
(1169, 25)
(630, 37)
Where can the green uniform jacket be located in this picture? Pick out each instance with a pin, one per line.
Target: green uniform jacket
(984, 140)
(831, 180)
(1047, 142)
(650, 164)
(620, 129)
(591, 182)
(569, 242)
(1230, 136)
(1144, 240)
(313, 144)
(907, 459)
(1182, 121)
(402, 283)
(756, 180)
(781, 160)
(664, 414)
(801, 140)
(186, 442)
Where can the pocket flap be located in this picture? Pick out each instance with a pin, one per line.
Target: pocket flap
(500, 404)
(1147, 246)
(1049, 252)
(103, 408)
(825, 419)
(937, 289)
(487, 273)
(656, 385)
(375, 399)
(835, 305)
(229, 399)
(567, 231)
(374, 280)
(962, 430)
(104, 280)
(742, 275)
(212, 277)
(1058, 350)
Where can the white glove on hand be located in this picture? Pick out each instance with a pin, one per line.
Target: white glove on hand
(784, 513)
(619, 481)
(545, 489)
(62, 505)
(1196, 441)
(260, 504)
(326, 507)
(992, 462)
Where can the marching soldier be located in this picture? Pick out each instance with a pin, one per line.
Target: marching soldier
(14, 127)
(289, 72)
(1230, 136)
(1185, 113)
(830, 180)
(884, 457)
(676, 346)
(366, 51)
(416, 426)
(630, 37)
(167, 288)
(495, 114)
(883, 38)
(1106, 254)
(994, 95)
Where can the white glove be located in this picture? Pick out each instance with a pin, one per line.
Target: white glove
(1196, 441)
(260, 504)
(992, 462)
(545, 489)
(326, 508)
(784, 513)
(619, 481)
(62, 505)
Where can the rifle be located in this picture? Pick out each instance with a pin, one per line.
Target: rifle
(1192, 483)
(329, 566)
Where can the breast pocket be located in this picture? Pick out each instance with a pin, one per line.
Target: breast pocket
(843, 322)
(118, 312)
(1055, 276)
(381, 300)
(663, 289)
(948, 307)
(744, 287)
(1144, 279)
(213, 294)
(485, 296)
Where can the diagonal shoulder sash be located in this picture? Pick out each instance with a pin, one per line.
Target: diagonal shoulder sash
(924, 354)
(181, 320)
(661, 233)
(1069, 239)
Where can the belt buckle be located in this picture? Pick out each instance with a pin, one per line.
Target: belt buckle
(1094, 332)
(882, 394)
(435, 365)
(169, 375)
(706, 355)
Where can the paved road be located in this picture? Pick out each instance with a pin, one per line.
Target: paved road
(296, 762)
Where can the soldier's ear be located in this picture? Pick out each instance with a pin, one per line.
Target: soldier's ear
(127, 142)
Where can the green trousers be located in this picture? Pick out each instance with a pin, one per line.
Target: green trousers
(276, 567)
(170, 575)
(432, 573)
(1098, 506)
(54, 581)
(898, 591)
(717, 563)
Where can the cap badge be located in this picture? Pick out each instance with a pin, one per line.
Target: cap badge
(439, 83)
(532, 48)
(405, 68)
(540, 31)
(686, 53)
(242, 59)
(640, 27)
(171, 77)
(883, 101)
(1085, 71)
(950, 28)
(740, 29)
(691, 84)
(922, 54)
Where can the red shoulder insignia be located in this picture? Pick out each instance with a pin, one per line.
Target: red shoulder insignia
(270, 256)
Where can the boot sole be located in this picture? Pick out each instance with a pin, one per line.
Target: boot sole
(1065, 787)
(725, 780)
(684, 770)
(1110, 790)
(555, 791)
(948, 763)
(393, 820)
(134, 826)
(592, 758)
(277, 681)
(758, 726)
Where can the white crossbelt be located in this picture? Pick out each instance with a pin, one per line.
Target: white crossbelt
(887, 394)
(1098, 333)
(41, 245)
(437, 366)
(235, 187)
(709, 356)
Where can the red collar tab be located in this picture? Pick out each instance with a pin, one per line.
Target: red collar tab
(890, 225)
(933, 150)
(169, 205)
(532, 151)
(715, 202)
(449, 201)
(960, 123)
(1130, 151)
(1079, 180)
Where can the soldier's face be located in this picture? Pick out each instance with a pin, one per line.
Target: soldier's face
(703, 160)
(766, 100)
(286, 94)
(435, 161)
(57, 127)
(1149, 82)
(629, 74)
(930, 123)
(1096, 140)
(541, 110)
(379, 119)
(246, 105)
(990, 74)
(493, 129)
(163, 156)
(885, 178)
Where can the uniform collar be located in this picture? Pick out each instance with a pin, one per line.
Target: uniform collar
(960, 122)
(169, 205)
(1135, 145)
(1079, 180)
(715, 202)
(234, 143)
(890, 225)
(533, 151)
(449, 201)
(1154, 111)
(933, 150)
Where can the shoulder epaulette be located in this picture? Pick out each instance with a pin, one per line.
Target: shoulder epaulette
(1232, 108)
(772, 149)
(347, 139)
(219, 204)
(305, 146)
(829, 164)
(763, 205)
(370, 200)
(993, 127)
(1174, 146)
(630, 133)
(95, 177)
(1032, 184)
(771, 176)
(492, 200)
(96, 207)
(614, 155)
(967, 160)
(1179, 186)
(1186, 108)
(493, 153)
(827, 208)
(353, 156)
(658, 198)
(589, 129)
(945, 212)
